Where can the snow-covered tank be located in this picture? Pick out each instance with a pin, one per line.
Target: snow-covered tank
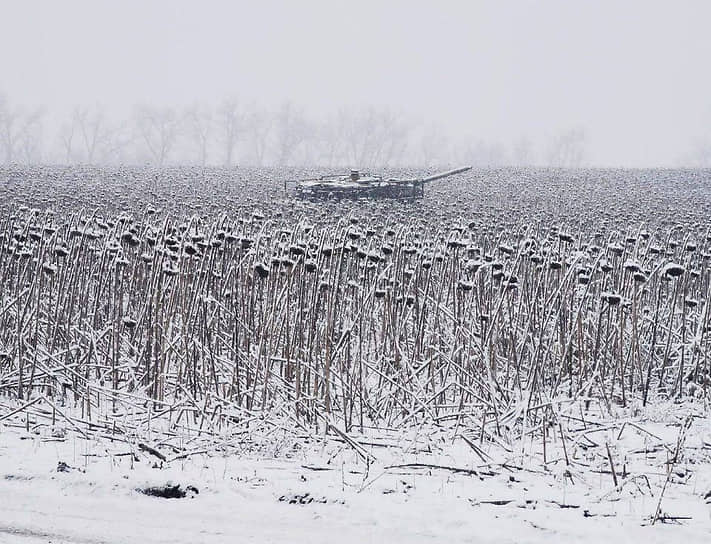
(358, 185)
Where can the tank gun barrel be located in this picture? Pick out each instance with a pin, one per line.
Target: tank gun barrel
(448, 173)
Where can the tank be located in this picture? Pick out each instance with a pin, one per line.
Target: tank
(356, 184)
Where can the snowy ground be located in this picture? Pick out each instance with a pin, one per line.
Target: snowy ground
(66, 489)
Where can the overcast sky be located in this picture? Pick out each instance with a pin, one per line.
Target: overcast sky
(635, 73)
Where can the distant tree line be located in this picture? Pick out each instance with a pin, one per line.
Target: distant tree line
(236, 133)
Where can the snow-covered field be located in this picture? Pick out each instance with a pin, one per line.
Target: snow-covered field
(58, 487)
(520, 356)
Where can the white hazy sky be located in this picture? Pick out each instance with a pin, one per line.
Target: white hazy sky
(635, 73)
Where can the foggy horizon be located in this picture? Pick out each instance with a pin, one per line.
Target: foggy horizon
(493, 83)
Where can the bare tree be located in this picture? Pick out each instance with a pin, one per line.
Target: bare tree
(199, 124)
(393, 138)
(117, 143)
(67, 133)
(230, 122)
(373, 137)
(330, 140)
(567, 149)
(431, 146)
(94, 132)
(358, 135)
(20, 132)
(259, 126)
(30, 140)
(158, 130)
(86, 136)
(8, 129)
(290, 133)
(522, 152)
(482, 153)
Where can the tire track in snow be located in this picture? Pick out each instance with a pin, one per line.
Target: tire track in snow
(29, 535)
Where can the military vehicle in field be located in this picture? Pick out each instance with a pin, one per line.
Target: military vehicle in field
(359, 185)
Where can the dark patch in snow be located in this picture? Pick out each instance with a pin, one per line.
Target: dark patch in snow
(169, 491)
(16, 478)
(305, 498)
